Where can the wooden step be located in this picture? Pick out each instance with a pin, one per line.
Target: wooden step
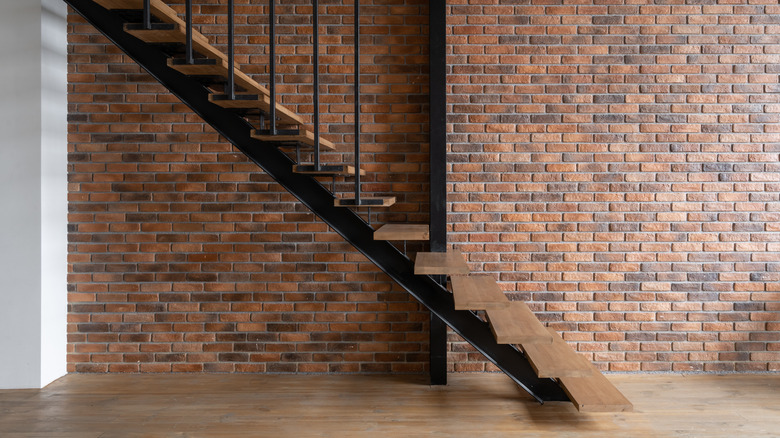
(477, 292)
(441, 263)
(159, 9)
(326, 169)
(595, 393)
(304, 137)
(220, 69)
(556, 359)
(397, 232)
(176, 34)
(260, 102)
(366, 202)
(516, 324)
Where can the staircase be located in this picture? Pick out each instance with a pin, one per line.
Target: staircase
(247, 114)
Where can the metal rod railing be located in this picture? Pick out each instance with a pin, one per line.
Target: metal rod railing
(190, 58)
(272, 63)
(231, 82)
(316, 56)
(147, 14)
(357, 102)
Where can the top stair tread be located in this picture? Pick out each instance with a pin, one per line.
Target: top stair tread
(477, 292)
(517, 324)
(595, 393)
(395, 232)
(200, 44)
(557, 359)
(441, 263)
(159, 9)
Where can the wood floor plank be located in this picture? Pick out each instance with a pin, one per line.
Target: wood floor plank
(477, 292)
(345, 406)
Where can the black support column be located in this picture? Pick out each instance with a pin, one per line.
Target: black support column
(438, 161)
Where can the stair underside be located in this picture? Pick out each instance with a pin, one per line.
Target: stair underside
(326, 169)
(366, 202)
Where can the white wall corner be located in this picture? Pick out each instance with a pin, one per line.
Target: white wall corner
(33, 192)
(54, 189)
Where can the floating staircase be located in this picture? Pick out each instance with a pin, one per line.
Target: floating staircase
(506, 332)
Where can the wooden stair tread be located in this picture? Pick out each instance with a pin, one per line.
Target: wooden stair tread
(477, 292)
(402, 232)
(595, 393)
(327, 169)
(381, 201)
(556, 359)
(305, 137)
(441, 263)
(159, 9)
(516, 324)
(220, 69)
(263, 103)
(166, 36)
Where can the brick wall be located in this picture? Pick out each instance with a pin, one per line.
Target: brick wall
(616, 163)
(185, 257)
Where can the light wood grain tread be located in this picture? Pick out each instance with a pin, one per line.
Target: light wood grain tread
(304, 137)
(326, 169)
(396, 232)
(595, 393)
(365, 202)
(477, 292)
(441, 263)
(556, 359)
(258, 101)
(516, 324)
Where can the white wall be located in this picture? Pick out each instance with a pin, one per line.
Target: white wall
(33, 192)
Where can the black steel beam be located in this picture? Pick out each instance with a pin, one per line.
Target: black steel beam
(320, 201)
(437, 40)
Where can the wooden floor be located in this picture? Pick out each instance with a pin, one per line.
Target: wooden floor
(473, 405)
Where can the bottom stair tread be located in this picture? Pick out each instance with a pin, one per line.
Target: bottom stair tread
(595, 393)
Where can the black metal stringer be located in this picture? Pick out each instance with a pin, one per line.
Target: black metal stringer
(320, 201)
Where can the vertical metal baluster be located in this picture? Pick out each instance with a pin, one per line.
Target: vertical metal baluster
(147, 14)
(357, 102)
(189, 56)
(316, 38)
(231, 92)
(272, 65)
